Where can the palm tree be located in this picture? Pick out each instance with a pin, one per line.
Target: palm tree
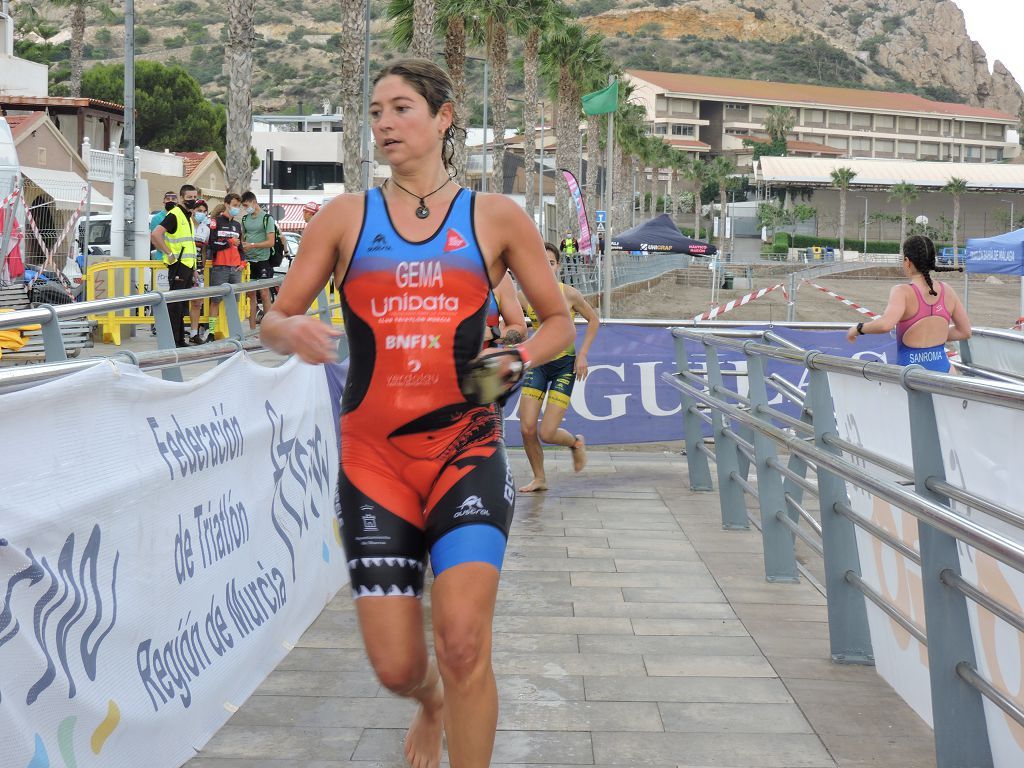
(695, 171)
(778, 122)
(955, 187)
(568, 53)
(423, 13)
(350, 70)
(906, 194)
(239, 55)
(629, 136)
(841, 180)
(78, 9)
(537, 16)
(720, 171)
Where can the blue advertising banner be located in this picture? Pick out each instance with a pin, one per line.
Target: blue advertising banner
(623, 400)
(1000, 255)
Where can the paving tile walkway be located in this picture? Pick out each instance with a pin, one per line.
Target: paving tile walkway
(631, 630)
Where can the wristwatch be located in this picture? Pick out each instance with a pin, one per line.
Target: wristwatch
(860, 329)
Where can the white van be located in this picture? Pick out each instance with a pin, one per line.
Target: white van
(99, 226)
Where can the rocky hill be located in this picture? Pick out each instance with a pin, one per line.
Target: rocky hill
(918, 45)
(906, 45)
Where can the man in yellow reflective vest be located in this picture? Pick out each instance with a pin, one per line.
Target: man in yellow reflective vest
(174, 237)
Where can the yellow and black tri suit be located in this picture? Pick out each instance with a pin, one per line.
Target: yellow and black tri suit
(555, 377)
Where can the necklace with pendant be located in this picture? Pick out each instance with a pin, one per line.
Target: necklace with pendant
(422, 211)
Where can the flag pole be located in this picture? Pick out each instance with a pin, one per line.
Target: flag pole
(606, 256)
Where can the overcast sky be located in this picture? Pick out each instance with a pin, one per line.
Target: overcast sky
(998, 25)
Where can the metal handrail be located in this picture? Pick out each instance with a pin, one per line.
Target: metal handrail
(799, 532)
(994, 607)
(898, 469)
(797, 507)
(795, 424)
(970, 675)
(989, 542)
(974, 501)
(789, 390)
(707, 452)
(743, 483)
(79, 309)
(877, 531)
(785, 471)
(871, 594)
(912, 377)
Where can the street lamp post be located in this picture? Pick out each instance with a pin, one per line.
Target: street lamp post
(865, 199)
(540, 186)
(1011, 212)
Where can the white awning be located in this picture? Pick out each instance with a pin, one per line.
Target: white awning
(66, 188)
(817, 171)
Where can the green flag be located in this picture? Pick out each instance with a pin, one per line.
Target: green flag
(602, 102)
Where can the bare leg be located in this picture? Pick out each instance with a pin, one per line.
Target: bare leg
(463, 612)
(529, 412)
(195, 310)
(551, 432)
(395, 644)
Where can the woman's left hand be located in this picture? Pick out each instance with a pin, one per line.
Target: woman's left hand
(851, 335)
(581, 368)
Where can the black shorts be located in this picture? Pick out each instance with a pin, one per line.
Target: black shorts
(260, 270)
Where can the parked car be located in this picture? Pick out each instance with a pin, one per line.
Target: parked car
(291, 240)
(945, 257)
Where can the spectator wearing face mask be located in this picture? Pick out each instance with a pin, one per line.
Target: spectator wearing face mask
(257, 242)
(201, 221)
(174, 238)
(170, 200)
(224, 249)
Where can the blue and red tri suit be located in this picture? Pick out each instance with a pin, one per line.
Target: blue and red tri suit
(422, 469)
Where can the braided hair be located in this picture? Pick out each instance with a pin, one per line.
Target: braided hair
(921, 252)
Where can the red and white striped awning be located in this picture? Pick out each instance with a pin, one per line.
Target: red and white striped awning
(292, 220)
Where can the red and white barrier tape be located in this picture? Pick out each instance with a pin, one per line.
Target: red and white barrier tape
(51, 252)
(711, 314)
(843, 299)
(10, 198)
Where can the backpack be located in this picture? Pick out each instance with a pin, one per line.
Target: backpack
(279, 249)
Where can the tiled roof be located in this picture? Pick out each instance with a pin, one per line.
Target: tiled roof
(688, 144)
(728, 88)
(811, 171)
(59, 101)
(192, 160)
(21, 123)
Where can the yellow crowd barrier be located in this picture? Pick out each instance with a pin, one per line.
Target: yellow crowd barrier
(115, 279)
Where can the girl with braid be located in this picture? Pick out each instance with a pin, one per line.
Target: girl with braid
(920, 311)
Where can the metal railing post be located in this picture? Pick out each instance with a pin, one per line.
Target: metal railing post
(231, 313)
(165, 337)
(848, 631)
(53, 342)
(324, 307)
(693, 430)
(958, 714)
(778, 541)
(730, 493)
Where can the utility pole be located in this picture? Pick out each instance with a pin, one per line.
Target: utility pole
(484, 174)
(364, 150)
(606, 257)
(129, 129)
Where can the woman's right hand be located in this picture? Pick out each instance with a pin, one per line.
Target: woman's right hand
(307, 336)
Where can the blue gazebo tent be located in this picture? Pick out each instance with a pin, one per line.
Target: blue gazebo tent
(999, 255)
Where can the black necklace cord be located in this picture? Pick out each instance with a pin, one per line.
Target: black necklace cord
(422, 211)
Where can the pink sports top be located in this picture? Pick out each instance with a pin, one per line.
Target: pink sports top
(924, 309)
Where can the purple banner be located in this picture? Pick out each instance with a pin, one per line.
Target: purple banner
(581, 212)
(624, 400)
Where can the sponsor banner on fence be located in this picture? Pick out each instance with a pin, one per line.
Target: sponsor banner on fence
(980, 443)
(623, 400)
(873, 415)
(163, 547)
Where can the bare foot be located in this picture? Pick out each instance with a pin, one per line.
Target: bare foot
(579, 453)
(534, 486)
(423, 740)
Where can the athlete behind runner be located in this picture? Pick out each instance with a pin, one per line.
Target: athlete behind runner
(506, 322)
(423, 470)
(556, 379)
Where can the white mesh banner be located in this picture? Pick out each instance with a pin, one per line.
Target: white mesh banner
(162, 547)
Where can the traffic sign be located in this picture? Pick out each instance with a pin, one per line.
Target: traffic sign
(600, 216)
(600, 226)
